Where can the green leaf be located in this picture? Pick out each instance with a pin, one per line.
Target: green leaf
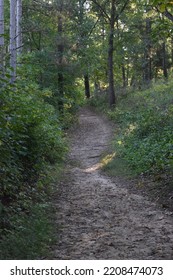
(162, 8)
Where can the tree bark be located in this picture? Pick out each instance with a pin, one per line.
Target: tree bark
(13, 54)
(19, 27)
(112, 97)
(165, 71)
(147, 54)
(87, 86)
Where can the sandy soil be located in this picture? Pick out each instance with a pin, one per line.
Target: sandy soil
(101, 218)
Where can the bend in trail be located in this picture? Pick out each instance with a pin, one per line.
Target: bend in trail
(99, 218)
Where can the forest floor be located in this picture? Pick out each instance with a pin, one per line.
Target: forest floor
(99, 217)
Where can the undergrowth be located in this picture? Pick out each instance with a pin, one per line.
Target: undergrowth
(144, 137)
(30, 236)
(32, 147)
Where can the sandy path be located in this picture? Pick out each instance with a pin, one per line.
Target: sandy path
(99, 218)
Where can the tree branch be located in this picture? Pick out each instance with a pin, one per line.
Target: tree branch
(168, 15)
(165, 13)
(89, 34)
(101, 9)
(122, 9)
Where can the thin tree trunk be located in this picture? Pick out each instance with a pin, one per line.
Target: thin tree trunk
(1, 36)
(124, 76)
(147, 55)
(165, 71)
(87, 86)
(13, 54)
(19, 27)
(81, 21)
(112, 18)
(112, 97)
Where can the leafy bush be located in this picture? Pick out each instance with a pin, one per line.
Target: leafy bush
(146, 138)
(145, 135)
(31, 138)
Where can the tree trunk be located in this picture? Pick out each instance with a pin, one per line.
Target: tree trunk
(147, 54)
(82, 37)
(87, 86)
(165, 71)
(124, 76)
(112, 97)
(18, 27)
(1, 36)
(13, 54)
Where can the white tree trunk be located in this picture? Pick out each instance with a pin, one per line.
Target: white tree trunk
(13, 53)
(1, 35)
(1, 22)
(19, 27)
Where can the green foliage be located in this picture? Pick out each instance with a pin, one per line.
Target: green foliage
(30, 134)
(40, 67)
(144, 139)
(163, 5)
(100, 101)
(31, 235)
(31, 140)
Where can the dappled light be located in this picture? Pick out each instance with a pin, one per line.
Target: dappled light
(108, 158)
(93, 168)
(104, 161)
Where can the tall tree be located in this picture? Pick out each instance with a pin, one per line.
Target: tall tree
(112, 20)
(147, 51)
(164, 59)
(13, 53)
(111, 11)
(19, 27)
(82, 40)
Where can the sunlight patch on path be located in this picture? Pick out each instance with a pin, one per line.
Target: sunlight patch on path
(108, 158)
(93, 168)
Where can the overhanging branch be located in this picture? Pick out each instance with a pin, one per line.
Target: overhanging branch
(101, 9)
(122, 9)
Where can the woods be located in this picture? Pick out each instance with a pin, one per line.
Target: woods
(55, 55)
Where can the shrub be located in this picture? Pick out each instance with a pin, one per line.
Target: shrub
(146, 141)
(145, 135)
(30, 139)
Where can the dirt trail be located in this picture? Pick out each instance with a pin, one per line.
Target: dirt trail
(99, 218)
